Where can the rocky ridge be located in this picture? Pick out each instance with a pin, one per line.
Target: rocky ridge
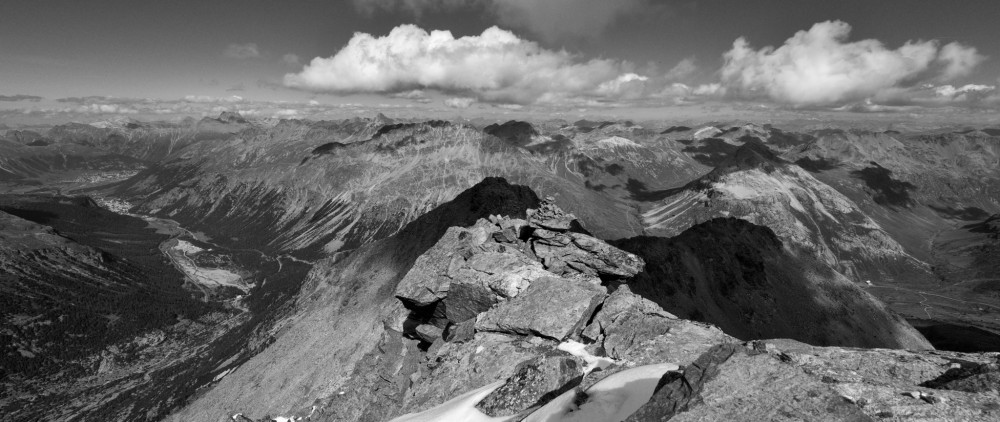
(515, 326)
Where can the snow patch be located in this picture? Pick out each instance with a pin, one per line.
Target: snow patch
(458, 409)
(612, 399)
(579, 350)
(617, 141)
(706, 132)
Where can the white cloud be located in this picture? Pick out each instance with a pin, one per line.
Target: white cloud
(952, 91)
(459, 102)
(415, 94)
(210, 99)
(242, 51)
(553, 20)
(709, 90)
(959, 60)
(821, 67)
(628, 85)
(682, 70)
(494, 66)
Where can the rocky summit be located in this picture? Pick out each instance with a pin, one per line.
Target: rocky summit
(499, 321)
(402, 269)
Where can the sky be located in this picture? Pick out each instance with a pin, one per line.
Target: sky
(303, 58)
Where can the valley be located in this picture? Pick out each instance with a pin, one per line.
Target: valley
(230, 265)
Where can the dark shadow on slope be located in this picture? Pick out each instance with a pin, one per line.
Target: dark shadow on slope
(816, 165)
(782, 139)
(885, 190)
(965, 214)
(673, 129)
(991, 225)
(738, 276)
(711, 151)
(513, 132)
(751, 155)
(958, 338)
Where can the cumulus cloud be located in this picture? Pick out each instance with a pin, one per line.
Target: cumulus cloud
(242, 51)
(682, 70)
(952, 91)
(821, 67)
(625, 86)
(20, 97)
(495, 66)
(576, 18)
(459, 102)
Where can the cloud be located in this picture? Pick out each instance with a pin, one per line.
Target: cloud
(626, 86)
(682, 70)
(415, 94)
(495, 66)
(459, 102)
(821, 67)
(242, 51)
(952, 91)
(20, 97)
(87, 99)
(210, 99)
(553, 20)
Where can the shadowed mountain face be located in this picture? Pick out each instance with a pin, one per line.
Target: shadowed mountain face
(760, 231)
(342, 307)
(738, 276)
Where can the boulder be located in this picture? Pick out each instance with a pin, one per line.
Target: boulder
(466, 300)
(535, 382)
(627, 320)
(428, 280)
(551, 307)
(460, 332)
(428, 333)
(574, 253)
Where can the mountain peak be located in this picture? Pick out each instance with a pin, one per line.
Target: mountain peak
(513, 131)
(751, 155)
(231, 117)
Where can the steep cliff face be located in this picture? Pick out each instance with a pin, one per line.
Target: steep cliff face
(756, 185)
(338, 324)
(740, 277)
(499, 291)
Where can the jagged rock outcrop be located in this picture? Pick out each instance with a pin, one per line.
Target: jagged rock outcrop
(455, 328)
(518, 276)
(551, 307)
(535, 381)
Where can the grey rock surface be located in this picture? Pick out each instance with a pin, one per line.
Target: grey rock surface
(535, 382)
(552, 307)
(574, 253)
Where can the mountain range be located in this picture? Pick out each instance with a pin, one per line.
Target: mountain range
(365, 269)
